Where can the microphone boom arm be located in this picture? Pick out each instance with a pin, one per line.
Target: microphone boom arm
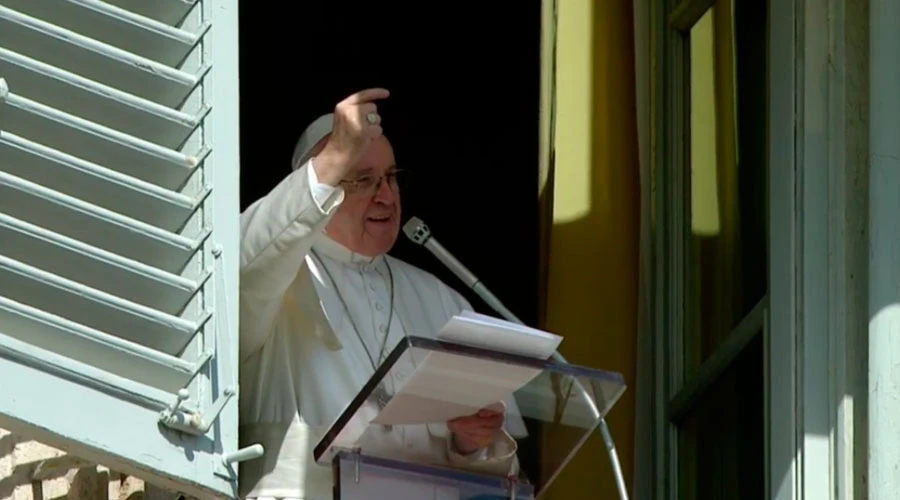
(466, 276)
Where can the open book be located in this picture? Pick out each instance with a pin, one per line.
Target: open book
(445, 386)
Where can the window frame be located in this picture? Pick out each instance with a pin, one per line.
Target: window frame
(674, 394)
(807, 329)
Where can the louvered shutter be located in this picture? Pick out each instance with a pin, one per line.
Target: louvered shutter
(118, 234)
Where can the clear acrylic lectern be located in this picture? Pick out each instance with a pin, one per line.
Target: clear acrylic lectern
(391, 441)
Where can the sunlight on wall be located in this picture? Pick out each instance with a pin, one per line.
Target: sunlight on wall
(704, 193)
(574, 101)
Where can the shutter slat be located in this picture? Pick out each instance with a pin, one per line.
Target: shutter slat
(98, 144)
(170, 12)
(87, 345)
(95, 309)
(115, 26)
(95, 60)
(97, 185)
(96, 226)
(99, 103)
(61, 368)
(188, 465)
(96, 268)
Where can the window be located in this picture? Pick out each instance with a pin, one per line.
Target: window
(712, 185)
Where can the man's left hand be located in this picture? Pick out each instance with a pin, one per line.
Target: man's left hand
(473, 432)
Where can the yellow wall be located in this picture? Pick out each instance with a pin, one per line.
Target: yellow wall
(593, 260)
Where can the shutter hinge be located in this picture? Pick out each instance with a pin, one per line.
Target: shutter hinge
(193, 422)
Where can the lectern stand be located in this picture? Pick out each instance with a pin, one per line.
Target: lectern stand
(391, 441)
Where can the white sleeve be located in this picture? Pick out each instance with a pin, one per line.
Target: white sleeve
(277, 232)
(322, 193)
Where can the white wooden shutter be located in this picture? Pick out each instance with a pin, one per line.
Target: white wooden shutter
(118, 234)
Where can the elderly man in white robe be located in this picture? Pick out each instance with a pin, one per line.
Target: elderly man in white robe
(322, 304)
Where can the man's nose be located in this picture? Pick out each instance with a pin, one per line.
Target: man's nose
(385, 193)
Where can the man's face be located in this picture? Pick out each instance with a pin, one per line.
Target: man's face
(368, 221)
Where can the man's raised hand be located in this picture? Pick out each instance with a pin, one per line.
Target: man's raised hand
(356, 124)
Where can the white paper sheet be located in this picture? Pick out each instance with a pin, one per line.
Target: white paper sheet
(487, 332)
(445, 386)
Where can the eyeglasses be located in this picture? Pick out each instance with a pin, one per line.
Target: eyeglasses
(370, 184)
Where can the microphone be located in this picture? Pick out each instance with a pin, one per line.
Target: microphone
(419, 233)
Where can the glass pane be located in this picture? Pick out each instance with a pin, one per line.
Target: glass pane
(401, 414)
(722, 442)
(362, 477)
(727, 240)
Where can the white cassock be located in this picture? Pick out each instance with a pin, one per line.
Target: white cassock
(304, 358)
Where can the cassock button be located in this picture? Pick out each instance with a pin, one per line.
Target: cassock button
(382, 328)
(378, 306)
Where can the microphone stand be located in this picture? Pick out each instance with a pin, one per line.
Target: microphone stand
(418, 232)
